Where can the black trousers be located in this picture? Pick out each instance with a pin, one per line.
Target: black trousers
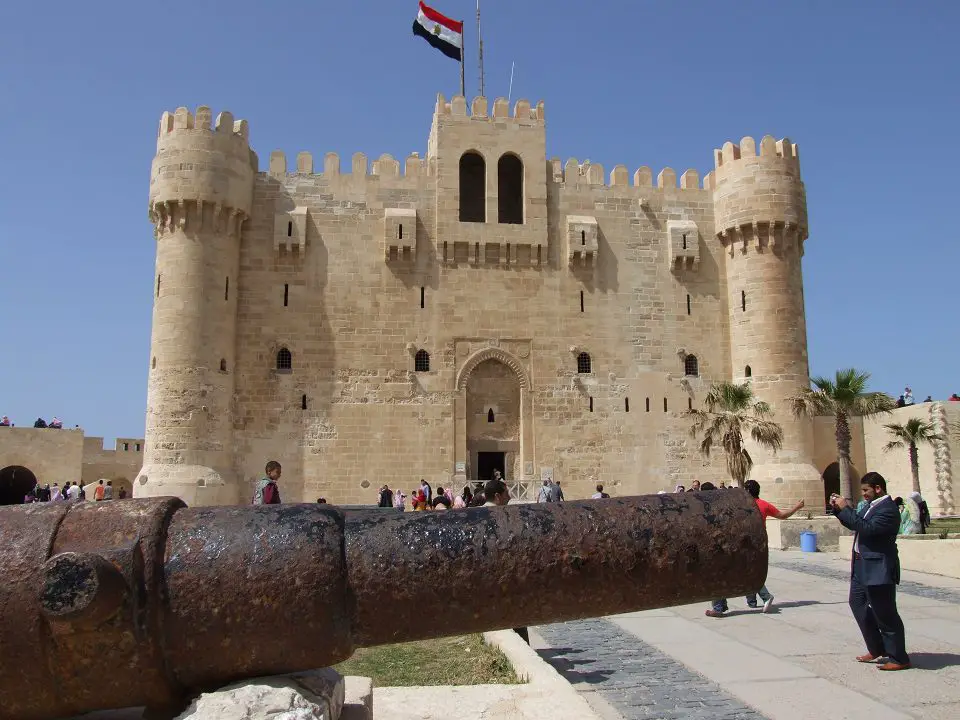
(875, 609)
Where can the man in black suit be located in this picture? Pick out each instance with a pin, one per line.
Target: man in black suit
(875, 572)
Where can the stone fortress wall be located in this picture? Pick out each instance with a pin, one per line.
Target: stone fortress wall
(58, 456)
(503, 267)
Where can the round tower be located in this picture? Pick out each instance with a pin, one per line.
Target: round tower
(201, 189)
(761, 218)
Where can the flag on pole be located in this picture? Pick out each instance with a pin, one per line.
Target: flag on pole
(444, 34)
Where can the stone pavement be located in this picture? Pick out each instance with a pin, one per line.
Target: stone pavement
(796, 662)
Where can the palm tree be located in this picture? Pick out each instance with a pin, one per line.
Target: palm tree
(732, 411)
(910, 434)
(844, 397)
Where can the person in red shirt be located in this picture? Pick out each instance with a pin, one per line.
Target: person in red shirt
(766, 510)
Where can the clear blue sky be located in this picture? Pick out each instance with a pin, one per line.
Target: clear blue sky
(868, 90)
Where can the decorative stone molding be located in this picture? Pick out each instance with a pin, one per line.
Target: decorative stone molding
(492, 353)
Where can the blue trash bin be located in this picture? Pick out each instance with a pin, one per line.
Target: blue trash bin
(808, 541)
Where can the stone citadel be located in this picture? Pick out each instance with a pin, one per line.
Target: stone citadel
(478, 307)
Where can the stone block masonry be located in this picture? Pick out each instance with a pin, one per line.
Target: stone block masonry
(478, 307)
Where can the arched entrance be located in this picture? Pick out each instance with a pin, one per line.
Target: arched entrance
(493, 427)
(493, 421)
(831, 481)
(15, 482)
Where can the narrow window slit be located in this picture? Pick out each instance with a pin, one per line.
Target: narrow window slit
(626, 404)
(664, 404)
(591, 403)
(226, 289)
(581, 301)
(743, 300)
(400, 232)
(688, 304)
(648, 404)
(286, 294)
(290, 229)
(422, 299)
(303, 401)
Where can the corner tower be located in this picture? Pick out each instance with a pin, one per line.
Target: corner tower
(201, 189)
(761, 218)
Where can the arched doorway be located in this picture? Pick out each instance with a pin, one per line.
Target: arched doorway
(493, 421)
(15, 482)
(831, 481)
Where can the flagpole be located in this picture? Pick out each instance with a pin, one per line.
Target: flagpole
(480, 48)
(463, 52)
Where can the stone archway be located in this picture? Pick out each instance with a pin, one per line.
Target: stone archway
(831, 481)
(493, 421)
(494, 428)
(15, 482)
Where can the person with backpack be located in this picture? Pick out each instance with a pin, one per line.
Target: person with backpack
(267, 492)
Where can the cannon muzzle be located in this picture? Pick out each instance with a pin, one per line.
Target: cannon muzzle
(147, 602)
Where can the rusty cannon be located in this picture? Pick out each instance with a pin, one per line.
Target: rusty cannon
(149, 602)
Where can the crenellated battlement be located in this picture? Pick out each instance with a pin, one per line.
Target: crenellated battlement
(386, 166)
(573, 172)
(172, 123)
(480, 109)
(732, 156)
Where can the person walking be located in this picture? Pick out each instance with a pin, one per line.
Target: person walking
(99, 492)
(875, 572)
(766, 510)
(267, 492)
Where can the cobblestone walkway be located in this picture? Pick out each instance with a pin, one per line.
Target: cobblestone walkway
(635, 678)
(908, 588)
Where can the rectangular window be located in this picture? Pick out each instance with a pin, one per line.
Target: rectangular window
(581, 301)
(303, 402)
(290, 229)
(664, 404)
(138, 447)
(226, 289)
(688, 304)
(591, 403)
(626, 404)
(126, 446)
(422, 299)
(286, 294)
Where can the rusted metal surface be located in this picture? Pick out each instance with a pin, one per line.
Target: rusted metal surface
(488, 568)
(120, 604)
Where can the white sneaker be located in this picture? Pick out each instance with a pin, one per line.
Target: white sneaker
(768, 604)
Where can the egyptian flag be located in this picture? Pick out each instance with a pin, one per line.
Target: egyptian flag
(444, 34)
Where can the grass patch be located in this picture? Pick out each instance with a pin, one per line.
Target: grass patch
(461, 660)
(940, 524)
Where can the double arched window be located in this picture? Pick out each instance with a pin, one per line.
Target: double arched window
(473, 188)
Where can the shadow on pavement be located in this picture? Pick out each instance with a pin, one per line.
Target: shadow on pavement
(934, 661)
(556, 657)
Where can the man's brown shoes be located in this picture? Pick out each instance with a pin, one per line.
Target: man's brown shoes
(891, 666)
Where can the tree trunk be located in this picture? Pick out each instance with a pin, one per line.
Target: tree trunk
(843, 454)
(915, 467)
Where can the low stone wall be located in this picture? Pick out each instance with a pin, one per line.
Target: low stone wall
(921, 553)
(785, 534)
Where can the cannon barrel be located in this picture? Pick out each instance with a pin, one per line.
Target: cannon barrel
(147, 602)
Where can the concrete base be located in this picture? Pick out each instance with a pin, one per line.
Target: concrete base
(785, 534)
(921, 553)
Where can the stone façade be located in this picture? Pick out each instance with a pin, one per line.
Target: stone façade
(504, 267)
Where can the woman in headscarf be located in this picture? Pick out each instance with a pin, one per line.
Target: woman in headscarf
(924, 511)
(910, 517)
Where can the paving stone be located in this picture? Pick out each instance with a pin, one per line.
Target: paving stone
(633, 677)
